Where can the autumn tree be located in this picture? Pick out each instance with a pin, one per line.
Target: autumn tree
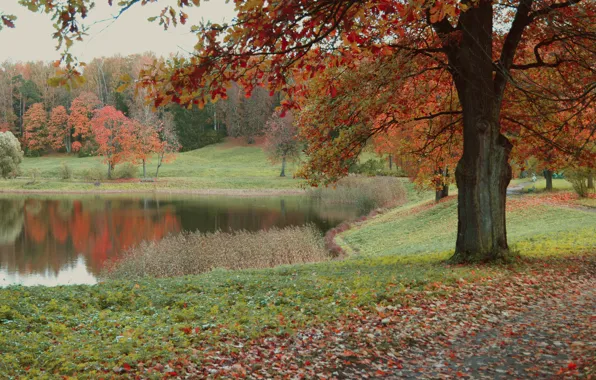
(36, 127)
(114, 135)
(79, 121)
(167, 144)
(58, 129)
(146, 142)
(281, 142)
(481, 49)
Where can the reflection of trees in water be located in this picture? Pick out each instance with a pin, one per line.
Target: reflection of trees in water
(57, 231)
(11, 220)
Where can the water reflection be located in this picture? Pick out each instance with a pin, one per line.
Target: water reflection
(67, 241)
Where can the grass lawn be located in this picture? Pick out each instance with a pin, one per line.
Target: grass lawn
(169, 326)
(540, 184)
(213, 167)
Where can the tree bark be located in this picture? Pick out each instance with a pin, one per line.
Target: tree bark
(144, 170)
(159, 161)
(548, 175)
(591, 179)
(390, 162)
(445, 191)
(442, 189)
(283, 167)
(483, 172)
(109, 170)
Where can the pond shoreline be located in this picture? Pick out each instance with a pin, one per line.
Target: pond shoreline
(221, 192)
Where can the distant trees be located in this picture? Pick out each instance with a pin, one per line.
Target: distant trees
(59, 134)
(35, 122)
(79, 121)
(245, 115)
(281, 142)
(11, 155)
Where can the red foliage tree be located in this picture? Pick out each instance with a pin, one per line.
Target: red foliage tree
(79, 122)
(146, 142)
(114, 136)
(58, 129)
(36, 127)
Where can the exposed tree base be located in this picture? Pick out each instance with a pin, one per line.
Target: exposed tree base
(501, 256)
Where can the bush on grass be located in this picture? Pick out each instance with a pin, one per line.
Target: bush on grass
(95, 174)
(125, 171)
(65, 171)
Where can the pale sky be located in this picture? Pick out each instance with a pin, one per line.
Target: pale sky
(31, 40)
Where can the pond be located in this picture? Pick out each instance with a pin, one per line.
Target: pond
(67, 240)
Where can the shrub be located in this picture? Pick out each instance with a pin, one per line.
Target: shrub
(94, 174)
(366, 193)
(126, 170)
(193, 253)
(86, 150)
(35, 174)
(579, 180)
(370, 167)
(65, 171)
(11, 155)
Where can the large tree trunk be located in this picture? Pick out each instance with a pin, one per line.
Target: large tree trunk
(144, 170)
(483, 172)
(591, 180)
(548, 175)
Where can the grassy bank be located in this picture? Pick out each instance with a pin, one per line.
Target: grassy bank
(157, 327)
(213, 167)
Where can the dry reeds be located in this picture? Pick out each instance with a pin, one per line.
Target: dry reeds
(193, 253)
(367, 193)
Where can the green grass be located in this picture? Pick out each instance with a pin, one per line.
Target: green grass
(212, 167)
(91, 329)
(434, 230)
(540, 184)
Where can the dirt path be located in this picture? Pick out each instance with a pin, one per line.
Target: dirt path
(551, 339)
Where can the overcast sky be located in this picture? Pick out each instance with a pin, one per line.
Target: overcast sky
(31, 40)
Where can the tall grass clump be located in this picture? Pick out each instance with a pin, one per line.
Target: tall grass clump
(367, 193)
(65, 171)
(196, 252)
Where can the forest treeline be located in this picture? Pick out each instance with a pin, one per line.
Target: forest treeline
(27, 89)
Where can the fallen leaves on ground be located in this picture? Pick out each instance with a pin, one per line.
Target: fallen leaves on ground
(538, 321)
